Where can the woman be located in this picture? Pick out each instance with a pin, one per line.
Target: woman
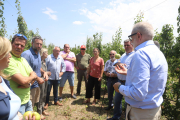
(94, 76)
(43, 87)
(9, 102)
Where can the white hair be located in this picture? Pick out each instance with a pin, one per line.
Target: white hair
(113, 51)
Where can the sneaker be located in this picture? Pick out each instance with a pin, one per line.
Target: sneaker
(73, 96)
(60, 99)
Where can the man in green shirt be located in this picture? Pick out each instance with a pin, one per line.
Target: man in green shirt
(21, 74)
(82, 62)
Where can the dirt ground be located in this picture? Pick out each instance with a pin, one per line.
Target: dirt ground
(74, 109)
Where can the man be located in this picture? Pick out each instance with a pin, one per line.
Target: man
(82, 61)
(146, 77)
(111, 77)
(55, 64)
(124, 60)
(69, 59)
(21, 74)
(34, 59)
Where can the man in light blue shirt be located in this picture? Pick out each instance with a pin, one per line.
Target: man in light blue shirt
(55, 64)
(125, 60)
(146, 77)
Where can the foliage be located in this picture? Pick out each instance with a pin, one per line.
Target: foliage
(2, 23)
(139, 17)
(50, 48)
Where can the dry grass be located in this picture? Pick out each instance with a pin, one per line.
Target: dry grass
(74, 109)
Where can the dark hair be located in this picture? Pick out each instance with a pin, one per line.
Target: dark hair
(36, 37)
(19, 37)
(96, 49)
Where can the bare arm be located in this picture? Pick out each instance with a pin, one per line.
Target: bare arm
(64, 55)
(88, 72)
(22, 80)
(102, 70)
(45, 75)
(71, 59)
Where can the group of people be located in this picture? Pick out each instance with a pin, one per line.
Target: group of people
(140, 76)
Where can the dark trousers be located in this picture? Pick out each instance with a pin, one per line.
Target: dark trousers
(118, 104)
(80, 75)
(92, 81)
(55, 84)
(42, 98)
(110, 82)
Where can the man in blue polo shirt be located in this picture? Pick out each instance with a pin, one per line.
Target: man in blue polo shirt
(34, 59)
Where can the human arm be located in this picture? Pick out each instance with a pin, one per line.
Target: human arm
(70, 59)
(45, 75)
(88, 71)
(76, 63)
(64, 55)
(121, 69)
(102, 69)
(139, 75)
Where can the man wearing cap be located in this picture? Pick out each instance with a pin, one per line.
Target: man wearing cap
(82, 62)
(124, 60)
(21, 73)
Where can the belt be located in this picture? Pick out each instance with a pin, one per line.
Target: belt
(83, 69)
(123, 81)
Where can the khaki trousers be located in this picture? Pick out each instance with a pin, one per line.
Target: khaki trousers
(34, 95)
(142, 114)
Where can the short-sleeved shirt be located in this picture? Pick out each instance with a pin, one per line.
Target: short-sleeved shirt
(109, 67)
(69, 65)
(34, 61)
(19, 65)
(83, 60)
(96, 67)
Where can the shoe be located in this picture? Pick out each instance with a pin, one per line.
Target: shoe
(73, 96)
(60, 99)
(59, 104)
(77, 94)
(86, 101)
(109, 107)
(46, 106)
(112, 119)
(45, 113)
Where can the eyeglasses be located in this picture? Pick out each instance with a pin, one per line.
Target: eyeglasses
(82, 49)
(126, 45)
(130, 36)
(20, 35)
(111, 54)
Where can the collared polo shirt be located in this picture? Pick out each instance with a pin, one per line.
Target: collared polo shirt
(34, 61)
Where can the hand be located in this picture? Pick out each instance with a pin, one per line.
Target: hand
(87, 76)
(100, 78)
(116, 85)
(45, 75)
(77, 68)
(121, 69)
(60, 74)
(40, 80)
(107, 74)
(34, 75)
(31, 118)
(49, 73)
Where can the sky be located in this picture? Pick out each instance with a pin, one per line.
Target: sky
(72, 21)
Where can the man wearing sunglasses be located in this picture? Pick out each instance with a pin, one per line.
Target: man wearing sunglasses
(82, 62)
(21, 73)
(146, 77)
(111, 77)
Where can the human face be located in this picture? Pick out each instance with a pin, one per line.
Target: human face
(96, 52)
(4, 63)
(83, 50)
(66, 48)
(135, 39)
(45, 54)
(56, 52)
(128, 47)
(37, 45)
(112, 55)
(18, 46)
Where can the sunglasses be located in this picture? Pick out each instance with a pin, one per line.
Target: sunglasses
(82, 49)
(20, 35)
(130, 36)
(111, 54)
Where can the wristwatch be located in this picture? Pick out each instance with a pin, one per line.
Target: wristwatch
(29, 84)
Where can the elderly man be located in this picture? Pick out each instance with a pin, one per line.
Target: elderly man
(111, 77)
(124, 60)
(55, 64)
(82, 62)
(34, 59)
(22, 75)
(146, 77)
(69, 59)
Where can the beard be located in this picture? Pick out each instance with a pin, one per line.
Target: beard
(112, 58)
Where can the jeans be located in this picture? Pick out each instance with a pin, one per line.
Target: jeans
(55, 84)
(118, 104)
(110, 82)
(26, 107)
